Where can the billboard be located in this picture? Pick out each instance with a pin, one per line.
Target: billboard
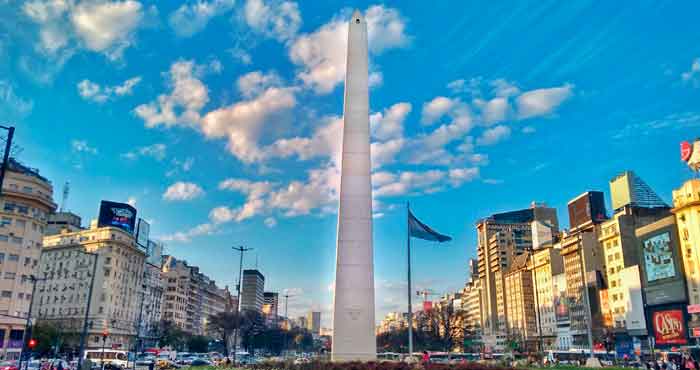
(669, 327)
(632, 284)
(658, 257)
(586, 208)
(142, 231)
(115, 214)
(561, 301)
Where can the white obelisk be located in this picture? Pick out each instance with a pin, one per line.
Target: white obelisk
(353, 302)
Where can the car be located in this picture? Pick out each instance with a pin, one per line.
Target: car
(200, 362)
(8, 365)
(301, 360)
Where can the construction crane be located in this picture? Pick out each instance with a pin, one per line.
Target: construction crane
(425, 293)
(64, 199)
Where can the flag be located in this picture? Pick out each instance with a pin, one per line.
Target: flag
(420, 230)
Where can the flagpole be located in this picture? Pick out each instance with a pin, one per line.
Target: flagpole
(410, 309)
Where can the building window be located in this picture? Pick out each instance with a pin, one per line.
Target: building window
(13, 258)
(10, 275)
(6, 221)
(6, 294)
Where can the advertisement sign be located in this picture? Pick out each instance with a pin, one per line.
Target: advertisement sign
(119, 215)
(658, 257)
(693, 160)
(561, 301)
(695, 333)
(686, 151)
(605, 307)
(586, 208)
(694, 308)
(142, 231)
(632, 283)
(669, 327)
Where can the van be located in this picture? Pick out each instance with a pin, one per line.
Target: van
(116, 358)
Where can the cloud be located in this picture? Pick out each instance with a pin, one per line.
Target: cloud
(182, 105)
(192, 18)
(270, 222)
(183, 191)
(276, 19)
(241, 123)
(82, 146)
(156, 151)
(435, 109)
(542, 102)
(693, 74)
(321, 54)
(389, 123)
(89, 90)
(675, 121)
(186, 236)
(493, 135)
(495, 110)
(180, 166)
(254, 83)
(108, 26)
(241, 56)
(12, 106)
(503, 88)
(529, 130)
(430, 181)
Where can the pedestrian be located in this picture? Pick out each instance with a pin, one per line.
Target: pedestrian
(426, 358)
(151, 365)
(59, 366)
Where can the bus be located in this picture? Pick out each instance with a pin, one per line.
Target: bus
(112, 357)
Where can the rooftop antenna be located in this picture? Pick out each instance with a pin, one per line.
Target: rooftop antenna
(64, 199)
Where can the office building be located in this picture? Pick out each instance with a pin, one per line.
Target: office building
(252, 290)
(547, 263)
(271, 305)
(627, 189)
(191, 298)
(521, 322)
(501, 238)
(313, 321)
(471, 306)
(60, 221)
(66, 273)
(686, 207)
(27, 200)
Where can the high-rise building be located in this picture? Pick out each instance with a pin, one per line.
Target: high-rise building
(501, 238)
(471, 306)
(521, 319)
(313, 320)
(270, 306)
(252, 290)
(26, 203)
(151, 310)
(547, 263)
(627, 189)
(587, 209)
(59, 221)
(66, 272)
(191, 298)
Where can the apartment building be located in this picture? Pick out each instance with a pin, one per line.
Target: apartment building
(520, 303)
(547, 262)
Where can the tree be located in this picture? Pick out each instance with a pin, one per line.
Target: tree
(224, 323)
(172, 335)
(198, 343)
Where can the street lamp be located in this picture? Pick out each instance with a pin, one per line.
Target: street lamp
(83, 335)
(242, 250)
(28, 325)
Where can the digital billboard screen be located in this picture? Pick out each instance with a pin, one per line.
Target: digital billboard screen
(588, 207)
(669, 327)
(119, 215)
(658, 257)
(142, 232)
(561, 301)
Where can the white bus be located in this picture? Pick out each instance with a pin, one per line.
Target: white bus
(113, 357)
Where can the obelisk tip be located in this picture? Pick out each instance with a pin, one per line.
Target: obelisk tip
(356, 16)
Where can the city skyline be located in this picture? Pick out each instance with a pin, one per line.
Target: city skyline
(507, 117)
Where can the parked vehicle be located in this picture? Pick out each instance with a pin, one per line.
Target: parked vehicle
(112, 358)
(8, 365)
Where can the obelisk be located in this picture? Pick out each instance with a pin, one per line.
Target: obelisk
(353, 302)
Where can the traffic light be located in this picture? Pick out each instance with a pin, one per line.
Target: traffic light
(105, 333)
(32, 343)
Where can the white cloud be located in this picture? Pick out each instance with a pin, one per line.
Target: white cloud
(89, 90)
(528, 130)
(495, 110)
(186, 236)
(693, 74)
(375, 79)
(385, 152)
(242, 122)
(493, 135)
(11, 105)
(182, 105)
(435, 109)
(430, 181)
(180, 166)
(321, 54)
(503, 88)
(458, 176)
(107, 26)
(191, 18)
(276, 19)
(183, 191)
(156, 151)
(389, 123)
(254, 83)
(270, 222)
(241, 56)
(82, 146)
(542, 102)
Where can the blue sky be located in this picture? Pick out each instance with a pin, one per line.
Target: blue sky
(220, 120)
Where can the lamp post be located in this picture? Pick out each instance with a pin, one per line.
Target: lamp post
(242, 250)
(28, 324)
(83, 335)
(138, 325)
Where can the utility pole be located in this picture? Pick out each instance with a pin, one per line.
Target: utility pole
(83, 335)
(28, 326)
(6, 156)
(138, 326)
(242, 250)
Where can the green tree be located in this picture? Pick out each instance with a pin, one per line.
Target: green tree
(224, 324)
(171, 335)
(198, 343)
